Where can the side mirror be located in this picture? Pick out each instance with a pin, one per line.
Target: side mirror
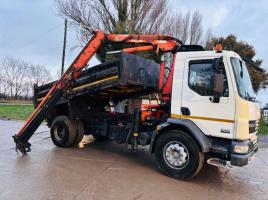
(218, 83)
(218, 64)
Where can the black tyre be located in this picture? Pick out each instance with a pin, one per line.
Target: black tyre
(80, 130)
(178, 155)
(64, 132)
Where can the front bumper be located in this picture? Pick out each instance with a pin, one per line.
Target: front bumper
(242, 159)
(225, 149)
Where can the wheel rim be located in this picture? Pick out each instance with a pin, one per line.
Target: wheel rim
(59, 132)
(176, 155)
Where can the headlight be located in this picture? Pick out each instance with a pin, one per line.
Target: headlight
(241, 148)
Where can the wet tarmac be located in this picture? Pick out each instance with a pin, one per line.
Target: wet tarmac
(107, 171)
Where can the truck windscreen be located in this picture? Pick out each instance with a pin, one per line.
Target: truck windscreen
(242, 78)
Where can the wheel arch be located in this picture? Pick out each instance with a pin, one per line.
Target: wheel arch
(187, 126)
(59, 110)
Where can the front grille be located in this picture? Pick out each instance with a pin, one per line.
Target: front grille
(253, 126)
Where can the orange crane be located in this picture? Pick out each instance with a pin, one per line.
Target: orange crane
(157, 43)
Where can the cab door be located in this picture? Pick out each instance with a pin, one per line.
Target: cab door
(213, 114)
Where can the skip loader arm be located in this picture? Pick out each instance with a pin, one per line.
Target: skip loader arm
(140, 43)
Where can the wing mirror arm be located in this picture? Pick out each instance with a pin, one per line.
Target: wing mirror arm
(217, 80)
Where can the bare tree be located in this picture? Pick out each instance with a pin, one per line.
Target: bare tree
(187, 28)
(208, 37)
(196, 28)
(131, 16)
(3, 87)
(184, 28)
(39, 75)
(117, 16)
(17, 77)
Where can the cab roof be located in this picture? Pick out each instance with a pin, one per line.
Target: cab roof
(207, 54)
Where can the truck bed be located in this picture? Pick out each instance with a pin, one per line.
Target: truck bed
(127, 76)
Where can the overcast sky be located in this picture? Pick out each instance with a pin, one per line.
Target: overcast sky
(32, 31)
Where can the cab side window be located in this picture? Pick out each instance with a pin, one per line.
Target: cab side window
(200, 80)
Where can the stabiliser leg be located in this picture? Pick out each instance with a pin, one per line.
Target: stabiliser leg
(22, 143)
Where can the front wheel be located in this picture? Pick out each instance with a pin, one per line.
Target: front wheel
(178, 155)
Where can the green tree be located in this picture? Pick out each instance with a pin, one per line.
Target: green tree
(259, 79)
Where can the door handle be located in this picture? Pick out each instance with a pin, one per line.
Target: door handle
(185, 111)
(214, 99)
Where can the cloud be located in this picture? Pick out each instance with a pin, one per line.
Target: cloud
(217, 16)
(263, 97)
(30, 30)
(214, 12)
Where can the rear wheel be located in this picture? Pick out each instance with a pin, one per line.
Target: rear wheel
(66, 132)
(178, 155)
(79, 132)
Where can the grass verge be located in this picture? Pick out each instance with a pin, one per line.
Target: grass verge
(18, 112)
(263, 128)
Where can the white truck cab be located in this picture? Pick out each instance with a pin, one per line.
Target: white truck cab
(230, 118)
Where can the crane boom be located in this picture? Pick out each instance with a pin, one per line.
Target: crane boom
(140, 42)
